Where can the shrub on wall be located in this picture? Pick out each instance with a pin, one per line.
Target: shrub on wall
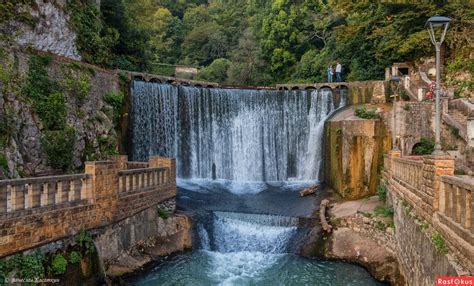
(116, 100)
(363, 113)
(59, 146)
(424, 147)
(58, 264)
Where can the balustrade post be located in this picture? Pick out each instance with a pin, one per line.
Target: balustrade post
(392, 155)
(120, 160)
(104, 190)
(433, 168)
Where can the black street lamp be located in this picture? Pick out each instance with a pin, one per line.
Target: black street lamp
(438, 23)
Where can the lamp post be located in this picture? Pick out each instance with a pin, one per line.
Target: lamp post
(395, 80)
(435, 23)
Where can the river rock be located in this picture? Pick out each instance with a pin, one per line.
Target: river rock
(349, 245)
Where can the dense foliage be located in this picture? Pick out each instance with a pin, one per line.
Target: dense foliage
(263, 42)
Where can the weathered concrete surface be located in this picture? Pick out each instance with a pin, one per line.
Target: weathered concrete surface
(351, 208)
(353, 153)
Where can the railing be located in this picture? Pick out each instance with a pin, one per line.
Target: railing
(22, 194)
(136, 165)
(142, 179)
(386, 163)
(408, 171)
(456, 200)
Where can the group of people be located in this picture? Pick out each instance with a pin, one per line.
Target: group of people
(330, 72)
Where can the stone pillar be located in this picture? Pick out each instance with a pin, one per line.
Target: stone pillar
(388, 76)
(159, 162)
(470, 131)
(105, 187)
(391, 155)
(433, 168)
(120, 160)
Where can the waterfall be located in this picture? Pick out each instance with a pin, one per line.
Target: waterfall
(234, 232)
(244, 135)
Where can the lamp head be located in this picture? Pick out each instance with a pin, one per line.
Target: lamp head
(438, 21)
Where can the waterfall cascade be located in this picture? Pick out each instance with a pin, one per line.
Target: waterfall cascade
(244, 135)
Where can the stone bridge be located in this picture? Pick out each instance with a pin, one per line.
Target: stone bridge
(358, 91)
(167, 79)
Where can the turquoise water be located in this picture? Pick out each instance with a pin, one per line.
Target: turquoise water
(251, 249)
(253, 268)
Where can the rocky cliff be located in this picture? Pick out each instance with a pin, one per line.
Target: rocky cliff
(54, 113)
(41, 25)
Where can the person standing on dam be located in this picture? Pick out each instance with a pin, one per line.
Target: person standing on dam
(338, 72)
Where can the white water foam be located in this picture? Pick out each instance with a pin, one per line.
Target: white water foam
(240, 135)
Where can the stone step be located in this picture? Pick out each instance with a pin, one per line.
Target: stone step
(458, 116)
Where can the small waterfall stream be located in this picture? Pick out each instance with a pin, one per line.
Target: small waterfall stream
(244, 135)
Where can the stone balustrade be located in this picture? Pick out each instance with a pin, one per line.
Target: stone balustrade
(31, 193)
(37, 211)
(142, 179)
(409, 172)
(136, 165)
(456, 203)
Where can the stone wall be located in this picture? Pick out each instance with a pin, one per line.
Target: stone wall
(414, 120)
(128, 245)
(433, 217)
(353, 150)
(106, 196)
(419, 260)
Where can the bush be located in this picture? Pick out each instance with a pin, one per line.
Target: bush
(362, 112)
(25, 266)
(116, 100)
(52, 111)
(58, 264)
(59, 147)
(384, 211)
(216, 71)
(424, 147)
(85, 242)
(163, 213)
(382, 192)
(439, 243)
(75, 257)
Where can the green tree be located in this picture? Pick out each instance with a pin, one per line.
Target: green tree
(216, 71)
